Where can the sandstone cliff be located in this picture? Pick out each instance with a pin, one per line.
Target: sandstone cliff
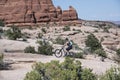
(34, 11)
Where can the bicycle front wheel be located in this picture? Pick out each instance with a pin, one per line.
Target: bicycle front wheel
(58, 53)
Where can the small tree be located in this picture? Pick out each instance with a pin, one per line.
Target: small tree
(93, 42)
(13, 33)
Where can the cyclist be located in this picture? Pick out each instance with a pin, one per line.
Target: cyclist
(69, 45)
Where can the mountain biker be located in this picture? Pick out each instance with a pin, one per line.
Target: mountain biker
(69, 45)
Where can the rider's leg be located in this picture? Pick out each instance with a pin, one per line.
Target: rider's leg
(67, 50)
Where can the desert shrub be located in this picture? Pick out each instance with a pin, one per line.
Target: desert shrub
(88, 75)
(29, 49)
(40, 35)
(106, 29)
(101, 40)
(1, 60)
(2, 23)
(93, 43)
(1, 30)
(101, 52)
(111, 74)
(67, 70)
(45, 48)
(30, 28)
(118, 51)
(43, 30)
(33, 75)
(66, 28)
(74, 29)
(59, 40)
(13, 33)
(96, 31)
(79, 30)
(79, 55)
(86, 32)
(1, 57)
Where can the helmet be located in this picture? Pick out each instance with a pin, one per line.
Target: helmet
(66, 39)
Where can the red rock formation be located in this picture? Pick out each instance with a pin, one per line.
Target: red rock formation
(34, 11)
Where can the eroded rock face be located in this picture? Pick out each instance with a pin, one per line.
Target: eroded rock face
(34, 11)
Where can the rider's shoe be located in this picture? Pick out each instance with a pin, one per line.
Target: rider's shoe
(65, 54)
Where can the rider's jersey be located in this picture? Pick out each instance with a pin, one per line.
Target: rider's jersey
(70, 43)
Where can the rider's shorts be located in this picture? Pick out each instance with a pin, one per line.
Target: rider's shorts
(69, 48)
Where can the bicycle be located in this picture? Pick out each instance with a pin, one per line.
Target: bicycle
(59, 52)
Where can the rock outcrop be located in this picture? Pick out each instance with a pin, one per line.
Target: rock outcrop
(34, 12)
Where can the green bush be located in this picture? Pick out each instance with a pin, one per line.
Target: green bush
(40, 35)
(118, 51)
(29, 49)
(101, 52)
(13, 33)
(66, 28)
(79, 55)
(33, 75)
(2, 23)
(67, 70)
(45, 48)
(93, 43)
(79, 30)
(111, 74)
(59, 40)
(1, 57)
(96, 31)
(1, 60)
(106, 29)
(1, 30)
(43, 30)
(88, 75)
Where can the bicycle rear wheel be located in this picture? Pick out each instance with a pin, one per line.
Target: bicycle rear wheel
(71, 54)
(58, 53)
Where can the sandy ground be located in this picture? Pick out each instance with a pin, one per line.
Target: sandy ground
(22, 64)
